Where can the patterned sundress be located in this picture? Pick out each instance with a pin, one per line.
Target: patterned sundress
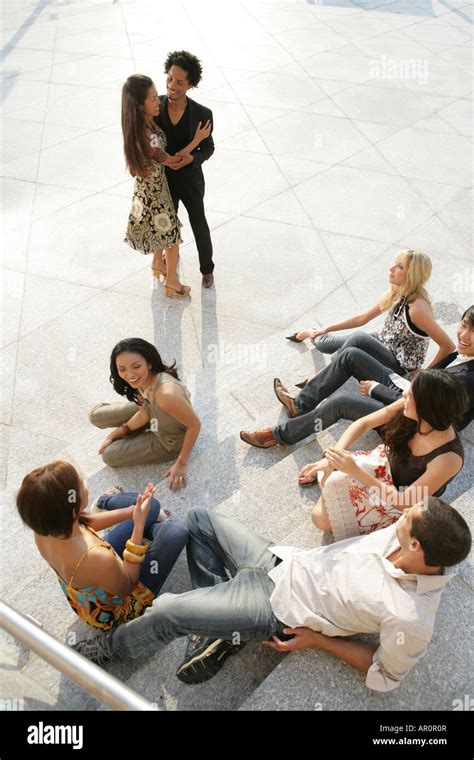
(351, 509)
(153, 223)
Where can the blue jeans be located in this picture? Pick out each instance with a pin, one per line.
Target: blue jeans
(329, 343)
(167, 539)
(339, 406)
(361, 356)
(235, 609)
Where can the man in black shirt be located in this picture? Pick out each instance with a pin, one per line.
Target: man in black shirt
(179, 117)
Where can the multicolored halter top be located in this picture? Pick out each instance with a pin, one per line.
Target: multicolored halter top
(97, 606)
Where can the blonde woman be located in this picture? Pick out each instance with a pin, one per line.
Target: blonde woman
(388, 357)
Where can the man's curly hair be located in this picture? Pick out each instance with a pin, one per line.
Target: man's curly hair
(188, 62)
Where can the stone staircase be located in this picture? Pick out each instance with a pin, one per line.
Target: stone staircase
(259, 487)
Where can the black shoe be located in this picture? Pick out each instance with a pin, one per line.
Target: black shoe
(293, 338)
(207, 280)
(97, 650)
(204, 658)
(302, 385)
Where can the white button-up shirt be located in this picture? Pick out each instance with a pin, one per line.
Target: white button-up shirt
(351, 587)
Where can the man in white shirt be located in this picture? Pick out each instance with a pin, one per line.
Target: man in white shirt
(246, 588)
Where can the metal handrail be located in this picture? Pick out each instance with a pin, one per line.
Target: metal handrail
(90, 677)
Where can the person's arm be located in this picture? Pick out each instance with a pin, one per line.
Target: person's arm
(205, 148)
(379, 391)
(203, 130)
(357, 321)
(175, 404)
(356, 429)
(385, 666)
(399, 650)
(369, 422)
(105, 519)
(437, 473)
(118, 577)
(356, 653)
(138, 420)
(157, 153)
(422, 316)
(203, 140)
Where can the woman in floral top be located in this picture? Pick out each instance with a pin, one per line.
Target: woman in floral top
(421, 453)
(153, 226)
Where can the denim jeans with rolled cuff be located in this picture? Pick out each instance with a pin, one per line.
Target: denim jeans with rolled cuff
(361, 356)
(230, 600)
(168, 539)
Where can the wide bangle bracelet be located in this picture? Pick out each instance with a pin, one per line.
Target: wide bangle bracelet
(136, 548)
(135, 559)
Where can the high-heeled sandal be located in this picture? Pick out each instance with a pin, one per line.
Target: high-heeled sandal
(182, 292)
(159, 273)
(293, 338)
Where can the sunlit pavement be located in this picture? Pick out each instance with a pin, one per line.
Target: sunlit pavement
(343, 135)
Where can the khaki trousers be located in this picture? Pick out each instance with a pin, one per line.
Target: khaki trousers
(141, 447)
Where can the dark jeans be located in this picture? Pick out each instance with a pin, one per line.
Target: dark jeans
(340, 406)
(362, 356)
(189, 188)
(167, 539)
(236, 610)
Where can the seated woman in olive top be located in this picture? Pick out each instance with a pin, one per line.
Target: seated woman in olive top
(421, 453)
(157, 423)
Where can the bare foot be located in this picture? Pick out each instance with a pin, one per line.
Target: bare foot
(304, 334)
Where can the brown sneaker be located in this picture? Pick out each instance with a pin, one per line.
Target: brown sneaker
(263, 439)
(284, 397)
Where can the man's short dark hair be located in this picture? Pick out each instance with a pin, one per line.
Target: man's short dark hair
(469, 316)
(443, 534)
(188, 62)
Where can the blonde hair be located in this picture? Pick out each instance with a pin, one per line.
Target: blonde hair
(418, 270)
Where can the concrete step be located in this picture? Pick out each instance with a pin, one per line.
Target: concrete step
(313, 680)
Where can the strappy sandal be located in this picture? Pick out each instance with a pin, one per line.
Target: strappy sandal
(164, 515)
(109, 492)
(183, 291)
(159, 273)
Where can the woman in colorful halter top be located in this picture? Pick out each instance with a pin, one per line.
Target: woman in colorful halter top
(105, 582)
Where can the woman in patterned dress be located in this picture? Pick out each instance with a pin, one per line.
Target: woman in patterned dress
(105, 582)
(421, 453)
(153, 226)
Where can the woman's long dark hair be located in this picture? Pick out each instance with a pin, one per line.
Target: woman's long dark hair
(151, 356)
(135, 146)
(441, 400)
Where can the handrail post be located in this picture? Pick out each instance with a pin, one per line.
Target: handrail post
(97, 682)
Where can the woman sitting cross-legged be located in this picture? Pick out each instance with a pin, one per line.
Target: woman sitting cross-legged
(421, 453)
(106, 582)
(157, 423)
